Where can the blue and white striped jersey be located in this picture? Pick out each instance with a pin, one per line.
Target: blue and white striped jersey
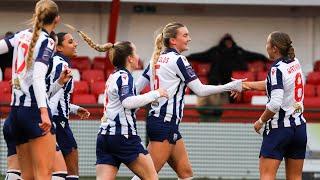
(286, 77)
(23, 93)
(119, 120)
(60, 102)
(172, 73)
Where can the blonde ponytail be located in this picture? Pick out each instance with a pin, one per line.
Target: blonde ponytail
(158, 45)
(45, 13)
(38, 24)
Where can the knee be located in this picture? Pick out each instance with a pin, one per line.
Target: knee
(27, 176)
(153, 176)
(267, 177)
(186, 174)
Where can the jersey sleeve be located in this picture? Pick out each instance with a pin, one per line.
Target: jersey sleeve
(6, 44)
(125, 86)
(45, 51)
(276, 78)
(185, 70)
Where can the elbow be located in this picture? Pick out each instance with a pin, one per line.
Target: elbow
(274, 106)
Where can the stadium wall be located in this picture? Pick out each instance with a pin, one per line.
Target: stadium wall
(216, 150)
(249, 25)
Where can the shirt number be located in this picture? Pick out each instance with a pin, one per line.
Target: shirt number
(298, 87)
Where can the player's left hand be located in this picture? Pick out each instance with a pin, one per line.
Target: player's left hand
(83, 113)
(65, 75)
(257, 126)
(236, 84)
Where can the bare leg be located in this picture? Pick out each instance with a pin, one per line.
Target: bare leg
(106, 172)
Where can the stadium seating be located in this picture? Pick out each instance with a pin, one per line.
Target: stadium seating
(81, 87)
(256, 66)
(236, 113)
(97, 88)
(81, 63)
(93, 75)
(204, 79)
(309, 90)
(84, 99)
(313, 78)
(312, 102)
(5, 98)
(7, 74)
(318, 90)
(5, 87)
(203, 69)
(247, 95)
(100, 63)
(243, 74)
(262, 75)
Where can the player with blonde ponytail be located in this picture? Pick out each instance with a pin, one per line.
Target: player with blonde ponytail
(30, 116)
(170, 70)
(118, 141)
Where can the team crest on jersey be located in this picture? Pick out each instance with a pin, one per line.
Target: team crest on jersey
(63, 124)
(124, 90)
(51, 43)
(274, 76)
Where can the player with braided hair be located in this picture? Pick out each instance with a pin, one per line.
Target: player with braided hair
(170, 70)
(31, 118)
(117, 141)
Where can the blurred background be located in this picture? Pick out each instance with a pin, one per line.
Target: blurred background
(228, 40)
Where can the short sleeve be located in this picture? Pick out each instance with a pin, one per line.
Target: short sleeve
(185, 70)
(46, 51)
(10, 41)
(125, 86)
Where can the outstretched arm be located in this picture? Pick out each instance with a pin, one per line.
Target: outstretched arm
(205, 90)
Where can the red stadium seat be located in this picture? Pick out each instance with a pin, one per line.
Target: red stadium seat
(203, 69)
(81, 87)
(316, 66)
(97, 88)
(313, 78)
(100, 63)
(243, 74)
(262, 75)
(256, 66)
(247, 95)
(309, 90)
(190, 114)
(318, 90)
(5, 98)
(311, 101)
(5, 87)
(84, 99)
(89, 100)
(238, 113)
(93, 76)
(204, 79)
(81, 63)
(7, 74)
(108, 72)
